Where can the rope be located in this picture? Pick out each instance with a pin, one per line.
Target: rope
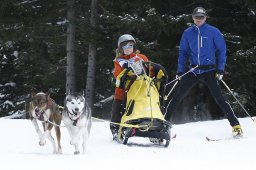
(149, 93)
(121, 124)
(55, 124)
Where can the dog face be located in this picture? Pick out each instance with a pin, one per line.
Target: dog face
(38, 104)
(75, 105)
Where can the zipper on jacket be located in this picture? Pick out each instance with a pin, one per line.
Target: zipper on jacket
(198, 46)
(201, 41)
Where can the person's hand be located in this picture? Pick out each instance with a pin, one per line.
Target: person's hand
(178, 76)
(125, 65)
(219, 75)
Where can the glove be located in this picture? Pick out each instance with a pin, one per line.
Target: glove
(125, 65)
(219, 75)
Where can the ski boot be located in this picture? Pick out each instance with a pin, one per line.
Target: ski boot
(237, 131)
(114, 130)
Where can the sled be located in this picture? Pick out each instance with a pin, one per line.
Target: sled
(144, 104)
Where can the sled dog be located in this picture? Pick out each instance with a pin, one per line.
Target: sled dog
(43, 108)
(77, 118)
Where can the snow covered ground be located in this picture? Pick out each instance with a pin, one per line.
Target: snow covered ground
(19, 149)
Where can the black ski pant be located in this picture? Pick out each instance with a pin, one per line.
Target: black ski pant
(116, 115)
(209, 79)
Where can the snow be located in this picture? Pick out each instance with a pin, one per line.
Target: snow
(19, 149)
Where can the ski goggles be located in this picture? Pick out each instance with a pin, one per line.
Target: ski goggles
(127, 46)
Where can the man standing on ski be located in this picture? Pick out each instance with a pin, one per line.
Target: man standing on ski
(199, 44)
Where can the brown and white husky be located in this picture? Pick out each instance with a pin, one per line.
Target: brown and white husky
(42, 108)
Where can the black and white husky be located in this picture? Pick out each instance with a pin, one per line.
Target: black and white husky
(77, 118)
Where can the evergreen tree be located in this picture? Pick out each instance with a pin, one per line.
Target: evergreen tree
(33, 43)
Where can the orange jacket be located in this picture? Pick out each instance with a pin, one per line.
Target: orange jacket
(118, 63)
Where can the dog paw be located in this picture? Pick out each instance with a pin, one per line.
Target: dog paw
(42, 142)
(76, 152)
(59, 151)
(72, 142)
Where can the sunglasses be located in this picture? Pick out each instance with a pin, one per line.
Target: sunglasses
(199, 17)
(127, 46)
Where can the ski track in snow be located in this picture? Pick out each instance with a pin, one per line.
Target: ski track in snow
(19, 149)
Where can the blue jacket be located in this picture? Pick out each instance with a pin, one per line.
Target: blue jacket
(201, 44)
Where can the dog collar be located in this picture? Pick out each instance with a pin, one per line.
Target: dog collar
(75, 121)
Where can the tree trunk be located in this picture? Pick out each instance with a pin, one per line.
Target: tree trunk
(90, 81)
(70, 75)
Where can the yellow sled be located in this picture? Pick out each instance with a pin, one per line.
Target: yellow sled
(143, 113)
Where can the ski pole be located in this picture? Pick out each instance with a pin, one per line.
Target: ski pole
(237, 100)
(166, 97)
(178, 78)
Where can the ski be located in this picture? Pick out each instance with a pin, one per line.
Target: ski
(209, 139)
(221, 139)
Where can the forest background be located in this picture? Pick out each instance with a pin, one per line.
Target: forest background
(35, 53)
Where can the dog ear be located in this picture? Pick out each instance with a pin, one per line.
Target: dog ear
(47, 95)
(33, 94)
(49, 91)
(69, 91)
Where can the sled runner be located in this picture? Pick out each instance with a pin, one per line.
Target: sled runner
(144, 84)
